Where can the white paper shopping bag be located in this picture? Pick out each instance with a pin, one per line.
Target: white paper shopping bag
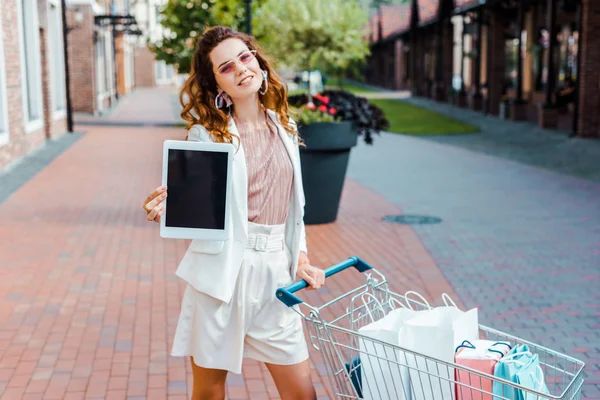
(383, 368)
(464, 323)
(430, 333)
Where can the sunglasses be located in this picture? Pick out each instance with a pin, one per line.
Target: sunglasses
(243, 58)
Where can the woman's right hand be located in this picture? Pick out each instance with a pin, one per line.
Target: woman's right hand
(153, 207)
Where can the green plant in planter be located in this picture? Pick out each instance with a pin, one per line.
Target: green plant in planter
(306, 115)
(367, 118)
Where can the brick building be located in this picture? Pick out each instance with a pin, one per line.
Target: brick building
(148, 71)
(535, 60)
(101, 53)
(32, 80)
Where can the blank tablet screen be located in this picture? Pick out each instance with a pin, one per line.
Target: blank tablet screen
(196, 184)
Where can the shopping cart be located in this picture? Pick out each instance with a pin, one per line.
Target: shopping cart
(360, 367)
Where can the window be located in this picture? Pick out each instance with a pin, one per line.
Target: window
(128, 62)
(30, 65)
(3, 92)
(109, 64)
(57, 62)
(160, 70)
(100, 65)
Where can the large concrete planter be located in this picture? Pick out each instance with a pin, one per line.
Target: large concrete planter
(324, 164)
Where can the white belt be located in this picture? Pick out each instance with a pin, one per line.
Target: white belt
(262, 242)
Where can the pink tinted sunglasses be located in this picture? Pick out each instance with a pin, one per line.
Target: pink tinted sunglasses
(243, 58)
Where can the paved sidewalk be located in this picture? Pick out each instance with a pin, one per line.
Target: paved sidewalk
(155, 106)
(521, 141)
(89, 299)
(520, 242)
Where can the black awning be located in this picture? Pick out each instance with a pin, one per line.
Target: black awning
(122, 23)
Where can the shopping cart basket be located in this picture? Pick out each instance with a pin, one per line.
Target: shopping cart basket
(401, 373)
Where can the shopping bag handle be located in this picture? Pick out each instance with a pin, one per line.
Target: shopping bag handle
(498, 351)
(468, 345)
(289, 299)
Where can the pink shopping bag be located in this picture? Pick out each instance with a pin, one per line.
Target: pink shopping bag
(480, 355)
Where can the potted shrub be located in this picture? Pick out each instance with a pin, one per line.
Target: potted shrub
(329, 125)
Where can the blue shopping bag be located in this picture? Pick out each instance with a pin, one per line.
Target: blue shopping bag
(521, 367)
(353, 368)
(531, 376)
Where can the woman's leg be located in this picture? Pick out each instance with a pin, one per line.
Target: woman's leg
(209, 384)
(293, 381)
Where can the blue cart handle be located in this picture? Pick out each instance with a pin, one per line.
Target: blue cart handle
(289, 299)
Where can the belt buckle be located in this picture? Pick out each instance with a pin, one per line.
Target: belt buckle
(261, 242)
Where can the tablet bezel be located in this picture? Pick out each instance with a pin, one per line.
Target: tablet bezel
(196, 233)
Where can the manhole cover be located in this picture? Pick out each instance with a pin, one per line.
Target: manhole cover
(412, 219)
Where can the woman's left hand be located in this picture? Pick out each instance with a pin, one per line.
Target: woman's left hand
(313, 275)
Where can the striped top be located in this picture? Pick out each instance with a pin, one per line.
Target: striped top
(270, 174)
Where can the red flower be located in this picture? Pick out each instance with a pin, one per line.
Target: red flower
(311, 106)
(323, 108)
(332, 111)
(322, 99)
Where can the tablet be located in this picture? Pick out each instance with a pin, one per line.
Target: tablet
(198, 180)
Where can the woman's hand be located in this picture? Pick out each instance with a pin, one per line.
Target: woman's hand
(313, 275)
(152, 204)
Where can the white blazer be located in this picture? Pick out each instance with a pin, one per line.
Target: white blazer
(211, 266)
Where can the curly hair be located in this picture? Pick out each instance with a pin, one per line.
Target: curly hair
(198, 94)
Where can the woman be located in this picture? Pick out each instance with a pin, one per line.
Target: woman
(229, 310)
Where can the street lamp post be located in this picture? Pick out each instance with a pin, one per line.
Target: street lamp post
(65, 33)
(249, 17)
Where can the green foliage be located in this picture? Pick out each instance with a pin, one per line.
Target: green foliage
(310, 34)
(185, 20)
(305, 116)
(232, 13)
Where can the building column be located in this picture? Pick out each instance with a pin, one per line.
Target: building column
(438, 84)
(412, 70)
(419, 67)
(476, 97)
(461, 98)
(588, 124)
(399, 64)
(518, 111)
(530, 26)
(547, 112)
(448, 64)
(496, 78)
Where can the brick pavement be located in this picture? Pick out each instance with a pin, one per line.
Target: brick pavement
(153, 106)
(520, 242)
(88, 296)
(20, 172)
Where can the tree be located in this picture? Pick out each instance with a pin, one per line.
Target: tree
(326, 34)
(232, 13)
(185, 20)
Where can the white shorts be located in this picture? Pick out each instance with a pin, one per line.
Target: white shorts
(254, 324)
